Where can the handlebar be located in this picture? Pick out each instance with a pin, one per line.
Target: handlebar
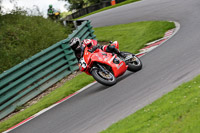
(93, 49)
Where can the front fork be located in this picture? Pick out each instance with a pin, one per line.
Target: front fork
(102, 68)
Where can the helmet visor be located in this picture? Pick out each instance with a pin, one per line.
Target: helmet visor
(89, 45)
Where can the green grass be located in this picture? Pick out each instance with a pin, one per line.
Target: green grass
(23, 36)
(130, 36)
(109, 7)
(133, 36)
(175, 112)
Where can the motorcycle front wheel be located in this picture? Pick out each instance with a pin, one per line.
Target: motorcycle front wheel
(107, 78)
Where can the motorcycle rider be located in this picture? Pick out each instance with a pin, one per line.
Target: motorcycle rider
(50, 11)
(79, 47)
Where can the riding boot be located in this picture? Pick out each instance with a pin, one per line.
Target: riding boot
(122, 54)
(115, 50)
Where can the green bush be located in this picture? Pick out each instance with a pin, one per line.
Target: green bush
(22, 36)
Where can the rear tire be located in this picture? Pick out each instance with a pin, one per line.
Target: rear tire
(136, 65)
(97, 74)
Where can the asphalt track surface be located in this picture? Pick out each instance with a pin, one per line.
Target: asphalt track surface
(166, 67)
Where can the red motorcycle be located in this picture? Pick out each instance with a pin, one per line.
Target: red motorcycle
(106, 67)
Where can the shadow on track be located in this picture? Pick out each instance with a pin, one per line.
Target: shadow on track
(96, 88)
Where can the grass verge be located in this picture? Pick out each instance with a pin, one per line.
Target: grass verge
(175, 112)
(130, 36)
(133, 36)
(109, 7)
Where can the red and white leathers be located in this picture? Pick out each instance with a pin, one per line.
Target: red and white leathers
(115, 44)
(90, 43)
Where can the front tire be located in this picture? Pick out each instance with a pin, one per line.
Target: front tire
(105, 79)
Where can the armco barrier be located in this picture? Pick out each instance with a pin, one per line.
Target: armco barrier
(34, 75)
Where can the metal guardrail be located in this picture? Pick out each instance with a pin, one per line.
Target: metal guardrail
(34, 75)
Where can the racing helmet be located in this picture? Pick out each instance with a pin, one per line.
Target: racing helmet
(75, 43)
(88, 43)
(50, 6)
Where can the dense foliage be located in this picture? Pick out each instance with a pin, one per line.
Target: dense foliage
(78, 4)
(22, 36)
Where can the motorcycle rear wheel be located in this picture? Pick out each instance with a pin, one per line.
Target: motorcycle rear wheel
(105, 79)
(136, 63)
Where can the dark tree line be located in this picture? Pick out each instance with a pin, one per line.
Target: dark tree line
(78, 4)
(74, 4)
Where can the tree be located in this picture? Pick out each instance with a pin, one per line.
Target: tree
(91, 2)
(78, 4)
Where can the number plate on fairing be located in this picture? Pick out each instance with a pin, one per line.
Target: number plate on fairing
(82, 63)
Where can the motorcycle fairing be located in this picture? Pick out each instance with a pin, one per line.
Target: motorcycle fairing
(104, 58)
